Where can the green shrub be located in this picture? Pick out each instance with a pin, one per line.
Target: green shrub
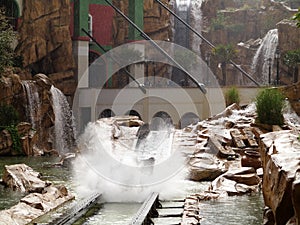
(269, 105)
(232, 95)
(8, 116)
(16, 139)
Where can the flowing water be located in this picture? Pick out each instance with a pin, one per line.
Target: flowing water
(64, 122)
(196, 14)
(33, 102)
(264, 53)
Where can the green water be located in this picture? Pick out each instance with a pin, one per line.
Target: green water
(44, 165)
(239, 210)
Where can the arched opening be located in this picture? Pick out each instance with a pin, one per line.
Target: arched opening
(187, 119)
(161, 120)
(134, 113)
(12, 12)
(106, 113)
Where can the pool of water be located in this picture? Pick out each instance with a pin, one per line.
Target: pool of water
(44, 165)
(238, 210)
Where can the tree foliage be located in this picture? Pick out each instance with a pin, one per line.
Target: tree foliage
(225, 53)
(297, 17)
(292, 58)
(7, 37)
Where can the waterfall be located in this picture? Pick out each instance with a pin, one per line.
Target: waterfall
(33, 102)
(264, 52)
(64, 128)
(196, 14)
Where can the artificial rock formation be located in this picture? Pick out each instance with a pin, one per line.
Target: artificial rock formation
(45, 42)
(32, 99)
(43, 196)
(244, 24)
(157, 26)
(280, 152)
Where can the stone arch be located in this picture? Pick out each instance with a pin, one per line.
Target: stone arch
(133, 112)
(187, 119)
(160, 120)
(106, 113)
(12, 11)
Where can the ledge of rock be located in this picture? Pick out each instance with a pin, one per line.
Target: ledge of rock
(280, 154)
(44, 197)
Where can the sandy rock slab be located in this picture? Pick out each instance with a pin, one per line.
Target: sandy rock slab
(43, 196)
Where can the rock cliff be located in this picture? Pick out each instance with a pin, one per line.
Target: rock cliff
(157, 25)
(245, 22)
(45, 42)
(280, 161)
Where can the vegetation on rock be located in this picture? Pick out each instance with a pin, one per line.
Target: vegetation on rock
(232, 95)
(9, 119)
(269, 105)
(292, 59)
(297, 17)
(8, 116)
(7, 37)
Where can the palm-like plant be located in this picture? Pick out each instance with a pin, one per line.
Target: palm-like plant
(291, 59)
(224, 54)
(297, 17)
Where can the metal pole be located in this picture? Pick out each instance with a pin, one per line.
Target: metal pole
(141, 86)
(269, 64)
(201, 86)
(205, 40)
(277, 72)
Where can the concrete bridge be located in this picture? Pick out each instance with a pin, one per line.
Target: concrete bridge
(180, 105)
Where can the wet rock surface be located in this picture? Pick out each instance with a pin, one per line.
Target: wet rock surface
(43, 198)
(21, 177)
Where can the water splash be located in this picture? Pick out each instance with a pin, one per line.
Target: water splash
(33, 102)
(265, 52)
(119, 170)
(64, 128)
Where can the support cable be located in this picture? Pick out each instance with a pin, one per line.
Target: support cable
(206, 41)
(201, 86)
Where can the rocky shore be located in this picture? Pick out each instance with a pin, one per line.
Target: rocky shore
(41, 196)
(239, 157)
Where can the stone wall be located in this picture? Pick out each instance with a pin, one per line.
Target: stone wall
(45, 42)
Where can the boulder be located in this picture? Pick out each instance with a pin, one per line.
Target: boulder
(43, 198)
(35, 205)
(21, 177)
(237, 181)
(280, 154)
(205, 167)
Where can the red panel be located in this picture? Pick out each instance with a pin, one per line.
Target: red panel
(102, 23)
